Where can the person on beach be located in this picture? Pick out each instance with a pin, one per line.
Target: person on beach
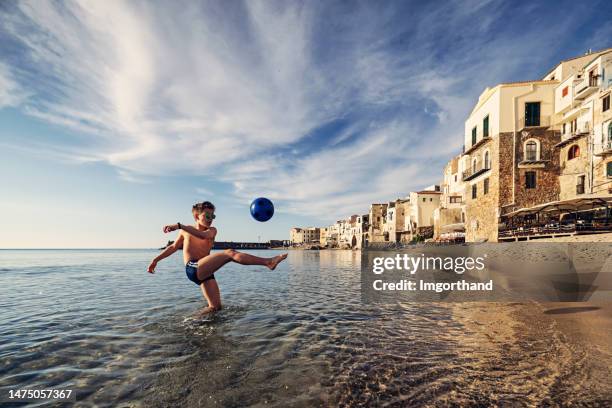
(200, 265)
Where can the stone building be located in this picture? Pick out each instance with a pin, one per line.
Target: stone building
(377, 216)
(509, 157)
(397, 222)
(422, 207)
(300, 236)
(449, 217)
(582, 111)
(323, 236)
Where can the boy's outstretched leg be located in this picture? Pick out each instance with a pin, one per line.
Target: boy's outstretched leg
(211, 263)
(248, 259)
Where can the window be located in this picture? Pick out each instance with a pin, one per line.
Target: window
(474, 136)
(486, 160)
(474, 191)
(423, 199)
(485, 126)
(564, 91)
(474, 166)
(530, 179)
(486, 186)
(531, 150)
(431, 199)
(564, 128)
(532, 114)
(573, 152)
(609, 169)
(455, 178)
(457, 199)
(606, 103)
(580, 184)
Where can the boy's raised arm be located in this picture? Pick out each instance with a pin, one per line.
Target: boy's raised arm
(169, 250)
(208, 234)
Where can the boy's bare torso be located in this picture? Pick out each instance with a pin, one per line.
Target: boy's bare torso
(195, 248)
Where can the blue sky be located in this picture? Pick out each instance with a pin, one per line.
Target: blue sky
(116, 116)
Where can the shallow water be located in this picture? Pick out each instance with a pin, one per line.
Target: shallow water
(96, 322)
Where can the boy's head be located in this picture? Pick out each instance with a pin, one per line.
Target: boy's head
(203, 213)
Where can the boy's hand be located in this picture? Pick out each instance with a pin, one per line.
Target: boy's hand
(170, 228)
(151, 268)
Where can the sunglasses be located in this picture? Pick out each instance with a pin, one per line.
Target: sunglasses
(209, 217)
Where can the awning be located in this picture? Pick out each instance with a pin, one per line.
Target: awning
(575, 204)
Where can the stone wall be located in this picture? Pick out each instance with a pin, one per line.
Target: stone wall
(481, 213)
(602, 184)
(571, 169)
(547, 177)
(507, 181)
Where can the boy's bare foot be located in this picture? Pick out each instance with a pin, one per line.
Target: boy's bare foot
(206, 311)
(275, 261)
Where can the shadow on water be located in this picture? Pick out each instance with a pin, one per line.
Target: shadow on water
(567, 310)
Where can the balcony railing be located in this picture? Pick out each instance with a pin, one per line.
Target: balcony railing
(531, 156)
(475, 171)
(585, 87)
(606, 148)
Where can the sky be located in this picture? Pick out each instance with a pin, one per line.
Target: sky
(117, 116)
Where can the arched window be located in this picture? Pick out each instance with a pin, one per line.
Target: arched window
(474, 166)
(573, 152)
(531, 150)
(486, 160)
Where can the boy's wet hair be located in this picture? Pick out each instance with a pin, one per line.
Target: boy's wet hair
(205, 205)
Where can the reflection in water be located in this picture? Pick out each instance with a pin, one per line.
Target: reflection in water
(299, 335)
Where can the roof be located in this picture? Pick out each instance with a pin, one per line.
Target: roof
(490, 91)
(579, 56)
(428, 192)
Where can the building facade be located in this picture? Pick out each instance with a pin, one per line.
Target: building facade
(509, 156)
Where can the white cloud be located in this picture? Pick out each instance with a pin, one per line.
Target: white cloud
(10, 92)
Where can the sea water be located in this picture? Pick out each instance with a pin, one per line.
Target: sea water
(96, 322)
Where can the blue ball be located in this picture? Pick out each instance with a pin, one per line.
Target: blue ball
(262, 209)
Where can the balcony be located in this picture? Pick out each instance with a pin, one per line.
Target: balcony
(532, 159)
(475, 171)
(476, 145)
(606, 149)
(585, 87)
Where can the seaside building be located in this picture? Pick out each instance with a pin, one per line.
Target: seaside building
(582, 118)
(296, 236)
(323, 236)
(301, 236)
(422, 207)
(377, 216)
(509, 155)
(347, 232)
(359, 232)
(581, 113)
(449, 218)
(396, 227)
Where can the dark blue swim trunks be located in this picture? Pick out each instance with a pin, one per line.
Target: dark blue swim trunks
(191, 269)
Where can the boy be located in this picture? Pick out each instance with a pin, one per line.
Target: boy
(200, 264)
